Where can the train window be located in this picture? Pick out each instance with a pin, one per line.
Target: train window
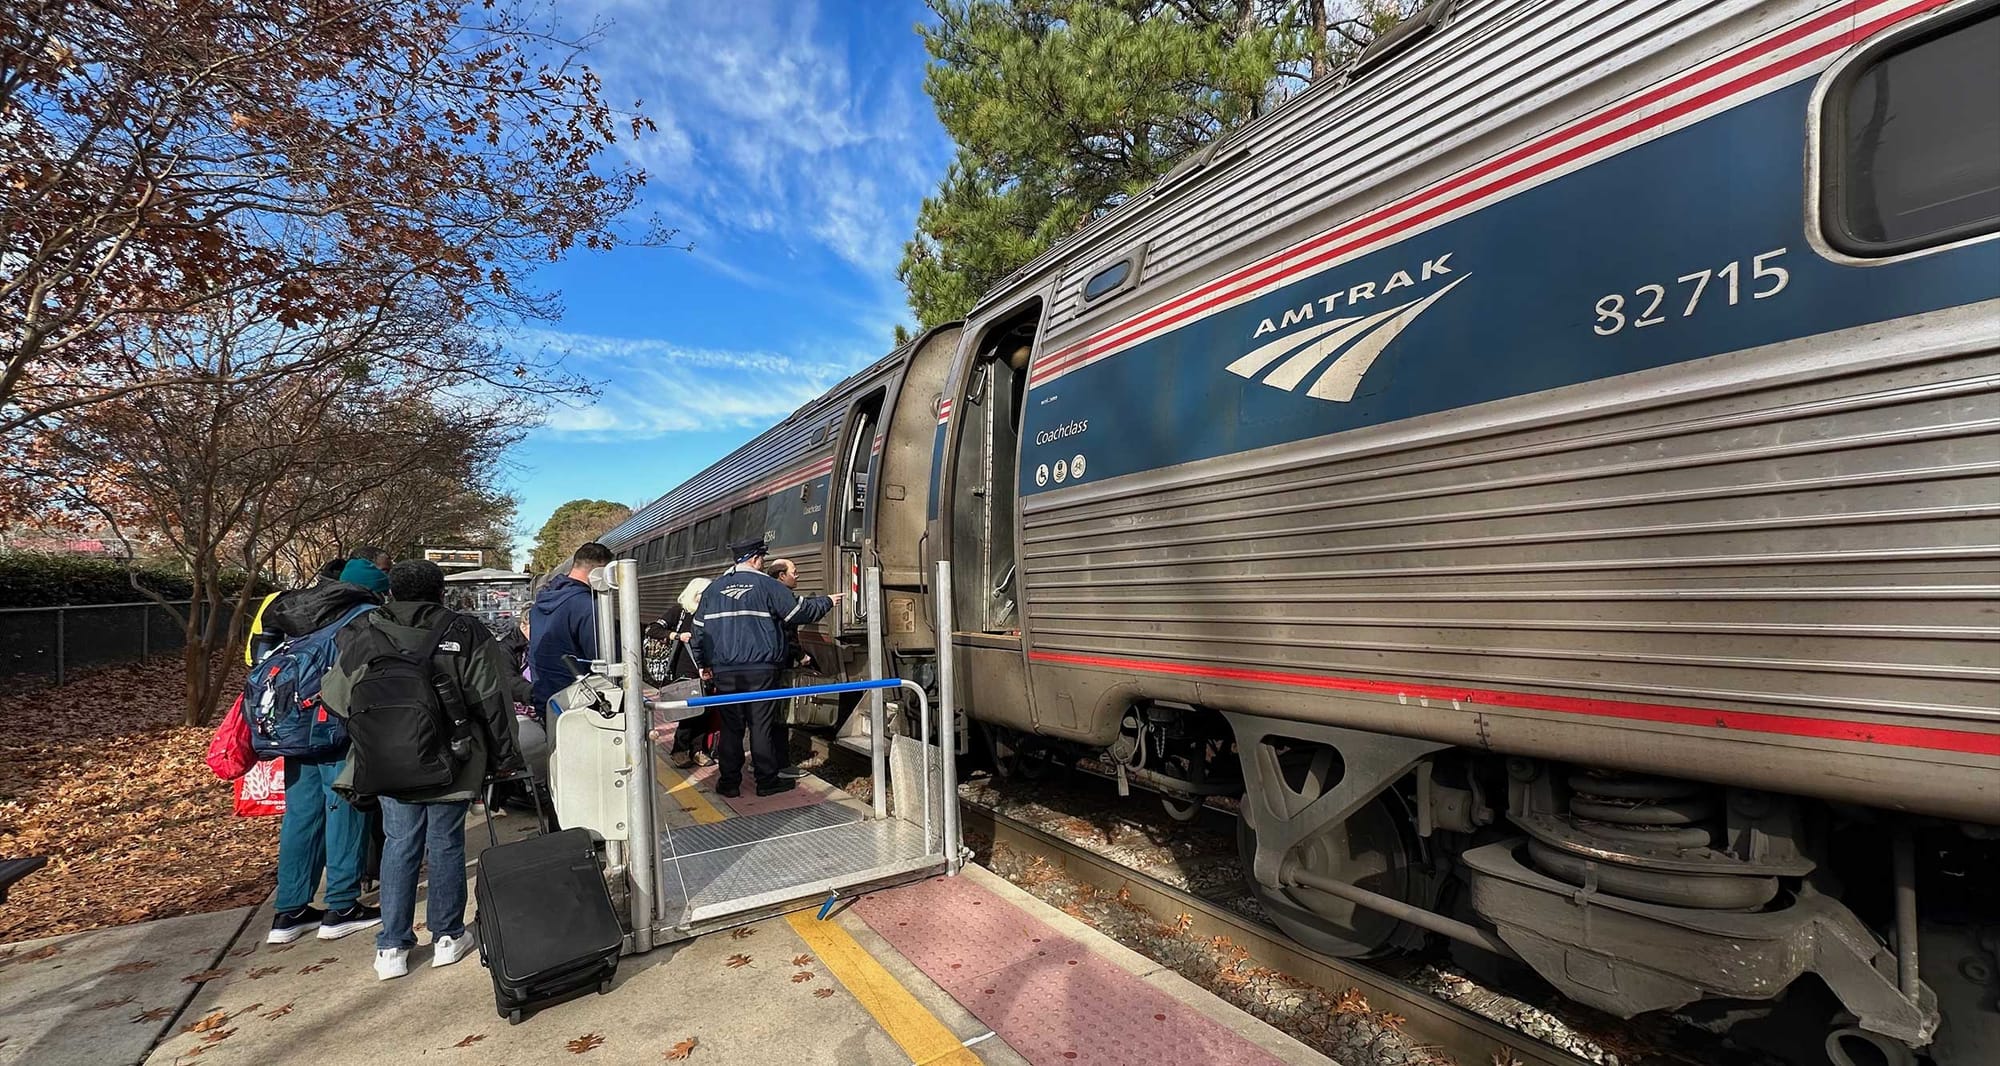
(708, 535)
(676, 550)
(746, 521)
(650, 554)
(1911, 141)
(1107, 281)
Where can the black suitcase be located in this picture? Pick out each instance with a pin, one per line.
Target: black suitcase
(547, 930)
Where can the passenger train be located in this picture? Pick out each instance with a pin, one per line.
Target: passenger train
(1549, 474)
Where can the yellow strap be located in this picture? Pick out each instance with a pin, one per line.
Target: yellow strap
(916, 1030)
(256, 628)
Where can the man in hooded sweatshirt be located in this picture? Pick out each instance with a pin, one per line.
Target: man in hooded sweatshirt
(429, 823)
(563, 623)
(320, 830)
(369, 568)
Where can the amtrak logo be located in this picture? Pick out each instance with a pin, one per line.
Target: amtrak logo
(1353, 343)
(737, 593)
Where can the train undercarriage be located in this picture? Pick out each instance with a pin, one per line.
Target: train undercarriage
(1864, 932)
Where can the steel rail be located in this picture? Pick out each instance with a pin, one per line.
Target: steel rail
(1459, 1033)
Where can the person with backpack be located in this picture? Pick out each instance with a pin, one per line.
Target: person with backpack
(564, 625)
(427, 696)
(321, 830)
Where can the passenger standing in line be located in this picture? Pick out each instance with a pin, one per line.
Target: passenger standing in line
(321, 831)
(264, 636)
(739, 645)
(369, 568)
(786, 573)
(690, 747)
(563, 623)
(427, 823)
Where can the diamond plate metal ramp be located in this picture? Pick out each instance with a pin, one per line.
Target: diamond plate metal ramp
(759, 862)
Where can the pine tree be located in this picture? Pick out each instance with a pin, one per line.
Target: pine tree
(1063, 108)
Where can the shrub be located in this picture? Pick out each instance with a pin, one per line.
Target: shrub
(36, 579)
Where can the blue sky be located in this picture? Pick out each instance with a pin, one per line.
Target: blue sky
(795, 143)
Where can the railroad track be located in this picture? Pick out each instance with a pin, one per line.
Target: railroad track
(1466, 1037)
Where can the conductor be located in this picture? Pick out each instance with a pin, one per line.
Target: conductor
(739, 644)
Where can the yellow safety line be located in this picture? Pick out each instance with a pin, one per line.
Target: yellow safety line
(682, 790)
(908, 1023)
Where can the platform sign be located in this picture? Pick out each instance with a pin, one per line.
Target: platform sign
(450, 558)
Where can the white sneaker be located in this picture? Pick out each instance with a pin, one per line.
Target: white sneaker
(391, 963)
(446, 950)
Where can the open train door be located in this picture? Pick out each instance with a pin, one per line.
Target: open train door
(979, 513)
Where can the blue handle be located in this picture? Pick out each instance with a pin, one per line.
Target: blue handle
(788, 693)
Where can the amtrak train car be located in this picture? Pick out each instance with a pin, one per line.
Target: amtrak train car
(1549, 473)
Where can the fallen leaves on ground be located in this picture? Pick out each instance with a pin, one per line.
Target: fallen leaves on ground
(280, 1012)
(586, 1042)
(264, 971)
(157, 1014)
(329, 960)
(314, 968)
(217, 1036)
(108, 1004)
(683, 1049)
(736, 961)
(214, 1020)
(207, 975)
(822, 993)
(470, 1040)
(242, 951)
(802, 976)
(742, 932)
(1351, 1002)
(134, 824)
(802, 960)
(46, 951)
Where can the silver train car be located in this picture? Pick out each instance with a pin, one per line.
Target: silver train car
(1550, 473)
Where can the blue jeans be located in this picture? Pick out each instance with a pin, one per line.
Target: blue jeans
(320, 831)
(416, 831)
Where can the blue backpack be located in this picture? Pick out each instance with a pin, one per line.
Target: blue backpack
(281, 697)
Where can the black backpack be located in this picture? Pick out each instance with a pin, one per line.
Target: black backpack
(407, 720)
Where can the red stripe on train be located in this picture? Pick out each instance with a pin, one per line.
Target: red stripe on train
(1156, 320)
(1901, 736)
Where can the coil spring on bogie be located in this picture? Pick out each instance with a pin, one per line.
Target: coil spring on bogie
(1650, 815)
(1651, 812)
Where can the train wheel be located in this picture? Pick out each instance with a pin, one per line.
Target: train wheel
(1014, 755)
(1369, 850)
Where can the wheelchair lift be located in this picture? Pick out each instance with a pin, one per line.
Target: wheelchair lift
(683, 881)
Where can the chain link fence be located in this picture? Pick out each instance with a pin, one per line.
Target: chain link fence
(54, 643)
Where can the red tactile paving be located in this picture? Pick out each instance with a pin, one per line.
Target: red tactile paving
(1046, 995)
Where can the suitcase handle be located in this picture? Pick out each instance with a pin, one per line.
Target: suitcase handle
(534, 793)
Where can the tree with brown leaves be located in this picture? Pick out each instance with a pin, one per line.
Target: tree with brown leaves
(299, 162)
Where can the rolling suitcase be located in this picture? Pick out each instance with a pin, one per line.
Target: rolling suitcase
(547, 930)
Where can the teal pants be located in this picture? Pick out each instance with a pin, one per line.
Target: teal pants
(321, 831)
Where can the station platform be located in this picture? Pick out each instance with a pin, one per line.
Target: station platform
(965, 969)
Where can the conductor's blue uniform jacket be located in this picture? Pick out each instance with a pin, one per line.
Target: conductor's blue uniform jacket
(741, 622)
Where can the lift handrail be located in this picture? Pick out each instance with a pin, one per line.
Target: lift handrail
(784, 693)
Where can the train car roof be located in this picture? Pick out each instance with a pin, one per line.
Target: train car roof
(771, 452)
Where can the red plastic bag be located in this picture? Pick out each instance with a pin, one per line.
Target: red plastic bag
(229, 753)
(261, 792)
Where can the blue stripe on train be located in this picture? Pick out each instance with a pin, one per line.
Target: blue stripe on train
(1531, 270)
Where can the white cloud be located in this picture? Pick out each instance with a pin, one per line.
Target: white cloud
(770, 124)
(657, 387)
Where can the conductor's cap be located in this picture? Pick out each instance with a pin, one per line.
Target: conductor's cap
(749, 549)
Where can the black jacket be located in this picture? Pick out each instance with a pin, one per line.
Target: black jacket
(301, 611)
(742, 620)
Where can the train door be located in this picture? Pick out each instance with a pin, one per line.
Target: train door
(850, 505)
(981, 519)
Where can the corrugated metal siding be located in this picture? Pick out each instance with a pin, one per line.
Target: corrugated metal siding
(1501, 70)
(1814, 528)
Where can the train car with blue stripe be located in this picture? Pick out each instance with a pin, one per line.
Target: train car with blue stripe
(1550, 474)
